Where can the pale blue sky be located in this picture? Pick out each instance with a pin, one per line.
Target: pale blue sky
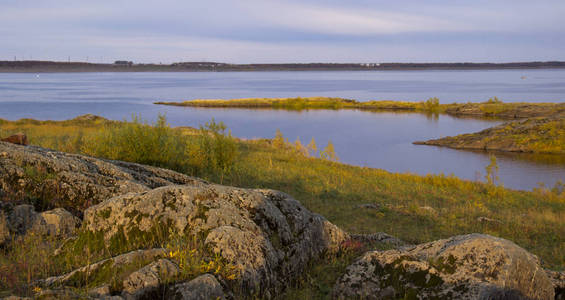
(261, 31)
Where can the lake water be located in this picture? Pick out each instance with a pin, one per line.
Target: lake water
(379, 140)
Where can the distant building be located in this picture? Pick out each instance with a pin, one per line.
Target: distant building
(123, 63)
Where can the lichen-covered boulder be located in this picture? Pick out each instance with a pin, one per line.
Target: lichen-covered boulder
(203, 287)
(148, 278)
(558, 280)
(474, 266)
(267, 235)
(73, 181)
(56, 222)
(4, 229)
(21, 218)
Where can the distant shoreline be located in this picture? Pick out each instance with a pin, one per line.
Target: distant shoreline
(124, 66)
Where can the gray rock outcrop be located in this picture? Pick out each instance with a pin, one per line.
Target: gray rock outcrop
(56, 222)
(4, 229)
(267, 235)
(558, 280)
(474, 266)
(203, 287)
(148, 278)
(21, 219)
(73, 181)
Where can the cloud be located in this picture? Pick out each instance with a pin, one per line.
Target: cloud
(271, 30)
(334, 20)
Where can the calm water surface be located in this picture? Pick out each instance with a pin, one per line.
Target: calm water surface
(379, 140)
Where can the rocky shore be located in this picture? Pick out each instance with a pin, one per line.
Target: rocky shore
(155, 233)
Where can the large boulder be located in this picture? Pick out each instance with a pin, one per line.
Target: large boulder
(56, 222)
(267, 235)
(149, 278)
(18, 139)
(4, 229)
(203, 287)
(474, 266)
(558, 280)
(21, 218)
(73, 181)
(24, 219)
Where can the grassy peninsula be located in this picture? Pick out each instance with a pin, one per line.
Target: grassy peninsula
(535, 135)
(491, 108)
(360, 200)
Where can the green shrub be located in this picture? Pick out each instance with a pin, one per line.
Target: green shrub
(432, 105)
(136, 141)
(213, 151)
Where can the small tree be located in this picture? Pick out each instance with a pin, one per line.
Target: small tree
(432, 104)
(312, 148)
(494, 100)
(278, 141)
(215, 150)
(329, 152)
(492, 171)
(300, 148)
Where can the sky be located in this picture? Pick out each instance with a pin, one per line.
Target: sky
(265, 31)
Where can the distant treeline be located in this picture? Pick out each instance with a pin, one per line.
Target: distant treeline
(52, 66)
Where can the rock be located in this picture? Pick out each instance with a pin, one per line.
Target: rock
(267, 235)
(100, 291)
(58, 294)
(21, 218)
(118, 262)
(379, 237)
(18, 139)
(558, 281)
(16, 298)
(4, 229)
(428, 209)
(90, 118)
(56, 222)
(203, 287)
(75, 182)
(488, 220)
(148, 278)
(24, 219)
(474, 266)
(368, 206)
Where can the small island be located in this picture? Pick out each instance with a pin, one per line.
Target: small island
(491, 108)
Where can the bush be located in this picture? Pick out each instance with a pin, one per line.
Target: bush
(213, 151)
(432, 105)
(494, 100)
(329, 153)
(136, 141)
